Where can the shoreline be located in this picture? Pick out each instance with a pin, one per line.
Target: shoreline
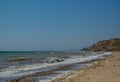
(105, 70)
(87, 62)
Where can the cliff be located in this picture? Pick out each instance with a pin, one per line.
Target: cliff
(105, 45)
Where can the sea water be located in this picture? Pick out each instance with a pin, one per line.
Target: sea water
(15, 64)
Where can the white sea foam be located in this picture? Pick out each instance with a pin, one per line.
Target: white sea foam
(29, 69)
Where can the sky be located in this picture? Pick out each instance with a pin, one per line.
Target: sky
(57, 24)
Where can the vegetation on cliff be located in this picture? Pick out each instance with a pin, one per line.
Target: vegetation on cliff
(105, 45)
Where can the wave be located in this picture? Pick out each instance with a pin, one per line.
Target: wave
(18, 71)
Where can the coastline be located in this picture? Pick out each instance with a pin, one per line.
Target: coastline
(70, 69)
(105, 70)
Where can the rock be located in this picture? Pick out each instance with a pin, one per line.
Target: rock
(18, 59)
(56, 60)
(24, 79)
(53, 60)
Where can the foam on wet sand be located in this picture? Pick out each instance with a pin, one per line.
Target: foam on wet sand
(107, 70)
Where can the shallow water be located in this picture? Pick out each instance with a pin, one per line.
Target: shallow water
(26, 63)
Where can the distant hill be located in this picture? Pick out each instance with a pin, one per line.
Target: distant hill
(105, 45)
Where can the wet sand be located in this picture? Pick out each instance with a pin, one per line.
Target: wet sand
(106, 70)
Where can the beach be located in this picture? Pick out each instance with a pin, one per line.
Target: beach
(47, 69)
(105, 70)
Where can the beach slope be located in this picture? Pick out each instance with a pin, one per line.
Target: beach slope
(107, 70)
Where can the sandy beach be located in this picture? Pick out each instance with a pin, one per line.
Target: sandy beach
(106, 70)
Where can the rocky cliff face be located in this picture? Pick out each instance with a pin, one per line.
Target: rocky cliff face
(105, 45)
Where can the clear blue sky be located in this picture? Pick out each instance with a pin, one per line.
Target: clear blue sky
(57, 24)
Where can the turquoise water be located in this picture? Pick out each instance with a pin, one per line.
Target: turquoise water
(31, 56)
(4, 56)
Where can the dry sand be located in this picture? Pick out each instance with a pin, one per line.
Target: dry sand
(107, 70)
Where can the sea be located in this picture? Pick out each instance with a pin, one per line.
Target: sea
(15, 64)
